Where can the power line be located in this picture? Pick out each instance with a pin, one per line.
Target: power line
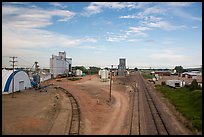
(13, 64)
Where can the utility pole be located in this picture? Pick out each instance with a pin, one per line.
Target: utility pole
(13, 64)
(110, 80)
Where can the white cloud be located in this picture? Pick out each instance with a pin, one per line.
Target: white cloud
(116, 38)
(97, 7)
(58, 4)
(168, 56)
(164, 25)
(154, 10)
(20, 17)
(139, 31)
(184, 14)
(16, 3)
(22, 31)
(194, 27)
(179, 4)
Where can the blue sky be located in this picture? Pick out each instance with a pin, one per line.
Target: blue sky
(149, 34)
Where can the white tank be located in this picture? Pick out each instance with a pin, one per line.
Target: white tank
(104, 75)
(99, 72)
(78, 72)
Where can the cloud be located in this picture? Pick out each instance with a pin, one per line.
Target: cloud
(154, 10)
(169, 56)
(20, 3)
(179, 4)
(20, 17)
(164, 25)
(127, 35)
(184, 14)
(116, 38)
(194, 27)
(139, 31)
(22, 30)
(57, 4)
(97, 7)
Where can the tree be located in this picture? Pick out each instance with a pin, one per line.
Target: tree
(179, 69)
(136, 69)
(82, 68)
(94, 70)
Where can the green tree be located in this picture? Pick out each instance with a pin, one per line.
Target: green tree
(179, 69)
(93, 70)
(82, 68)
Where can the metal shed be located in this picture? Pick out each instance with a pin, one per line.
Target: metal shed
(21, 81)
(175, 83)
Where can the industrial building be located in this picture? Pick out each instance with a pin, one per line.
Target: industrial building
(60, 65)
(122, 67)
(21, 81)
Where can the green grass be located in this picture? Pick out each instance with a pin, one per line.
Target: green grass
(147, 76)
(189, 103)
(74, 79)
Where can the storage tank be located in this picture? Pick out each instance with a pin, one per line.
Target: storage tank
(78, 72)
(104, 75)
(99, 73)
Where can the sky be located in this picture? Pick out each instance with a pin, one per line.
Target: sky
(147, 34)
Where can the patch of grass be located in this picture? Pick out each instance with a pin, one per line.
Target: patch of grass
(147, 76)
(189, 103)
(74, 79)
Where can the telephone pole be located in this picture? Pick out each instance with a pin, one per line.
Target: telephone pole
(13, 64)
(110, 80)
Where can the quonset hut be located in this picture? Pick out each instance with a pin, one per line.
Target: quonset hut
(21, 81)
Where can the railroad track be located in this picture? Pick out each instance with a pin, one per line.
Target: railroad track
(74, 128)
(154, 120)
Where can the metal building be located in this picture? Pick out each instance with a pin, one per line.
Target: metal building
(175, 83)
(60, 65)
(21, 81)
(122, 67)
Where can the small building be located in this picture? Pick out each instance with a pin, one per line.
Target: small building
(21, 81)
(175, 83)
(161, 73)
(192, 74)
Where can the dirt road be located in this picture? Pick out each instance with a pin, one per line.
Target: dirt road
(99, 116)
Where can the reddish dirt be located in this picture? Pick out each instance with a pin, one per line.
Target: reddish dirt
(98, 114)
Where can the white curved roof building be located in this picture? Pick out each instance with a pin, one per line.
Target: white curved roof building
(21, 81)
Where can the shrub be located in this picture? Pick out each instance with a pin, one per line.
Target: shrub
(194, 85)
(163, 83)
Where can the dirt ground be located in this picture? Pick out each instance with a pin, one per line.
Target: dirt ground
(34, 112)
(99, 115)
